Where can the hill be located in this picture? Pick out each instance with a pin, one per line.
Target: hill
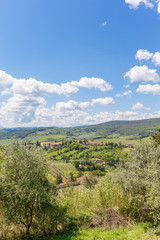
(136, 129)
(125, 128)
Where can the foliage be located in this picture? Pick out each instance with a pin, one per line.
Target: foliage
(88, 166)
(156, 137)
(140, 181)
(140, 231)
(58, 179)
(25, 190)
(89, 181)
(85, 201)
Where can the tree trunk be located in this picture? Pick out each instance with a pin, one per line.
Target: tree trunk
(28, 233)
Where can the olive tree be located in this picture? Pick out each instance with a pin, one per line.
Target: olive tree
(139, 177)
(24, 187)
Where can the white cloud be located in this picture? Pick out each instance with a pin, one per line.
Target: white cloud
(119, 115)
(23, 107)
(158, 8)
(32, 110)
(142, 73)
(143, 54)
(74, 105)
(129, 92)
(126, 86)
(156, 58)
(85, 105)
(139, 106)
(77, 117)
(37, 88)
(67, 106)
(135, 3)
(5, 80)
(97, 83)
(20, 109)
(103, 101)
(145, 89)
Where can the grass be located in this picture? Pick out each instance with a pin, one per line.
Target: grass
(140, 231)
(66, 168)
(123, 140)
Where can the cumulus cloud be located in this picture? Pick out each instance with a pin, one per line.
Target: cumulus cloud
(63, 114)
(67, 106)
(145, 89)
(142, 73)
(77, 117)
(143, 54)
(120, 115)
(5, 80)
(34, 87)
(97, 83)
(158, 8)
(103, 101)
(156, 58)
(37, 88)
(129, 92)
(20, 109)
(139, 106)
(136, 3)
(23, 107)
(74, 105)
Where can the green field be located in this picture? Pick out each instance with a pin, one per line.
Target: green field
(66, 168)
(134, 233)
(124, 131)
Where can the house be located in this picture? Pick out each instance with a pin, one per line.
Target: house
(47, 144)
(97, 160)
(58, 145)
(129, 145)
(94, 144)
(119, 143)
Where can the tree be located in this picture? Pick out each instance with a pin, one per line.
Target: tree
(156, 137)
(38, 144)
(59, 179)
(140, 180)
(24, 186)
(71, 176)
(89, 181)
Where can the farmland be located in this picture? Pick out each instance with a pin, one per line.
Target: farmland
(124, 131)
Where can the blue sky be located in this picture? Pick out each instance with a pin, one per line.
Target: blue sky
(68, 63)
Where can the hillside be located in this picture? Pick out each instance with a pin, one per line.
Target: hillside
(137, 129)
(124, 128)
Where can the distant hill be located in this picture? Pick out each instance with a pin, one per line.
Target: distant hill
(138, 128)
(124, 128)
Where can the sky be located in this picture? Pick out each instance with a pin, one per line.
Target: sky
(68, 63)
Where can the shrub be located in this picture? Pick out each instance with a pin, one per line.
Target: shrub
(140, 180)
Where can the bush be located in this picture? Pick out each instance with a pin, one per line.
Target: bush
(140, 180)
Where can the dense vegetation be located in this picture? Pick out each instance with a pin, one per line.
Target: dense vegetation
(32, 206)
(71, 150)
